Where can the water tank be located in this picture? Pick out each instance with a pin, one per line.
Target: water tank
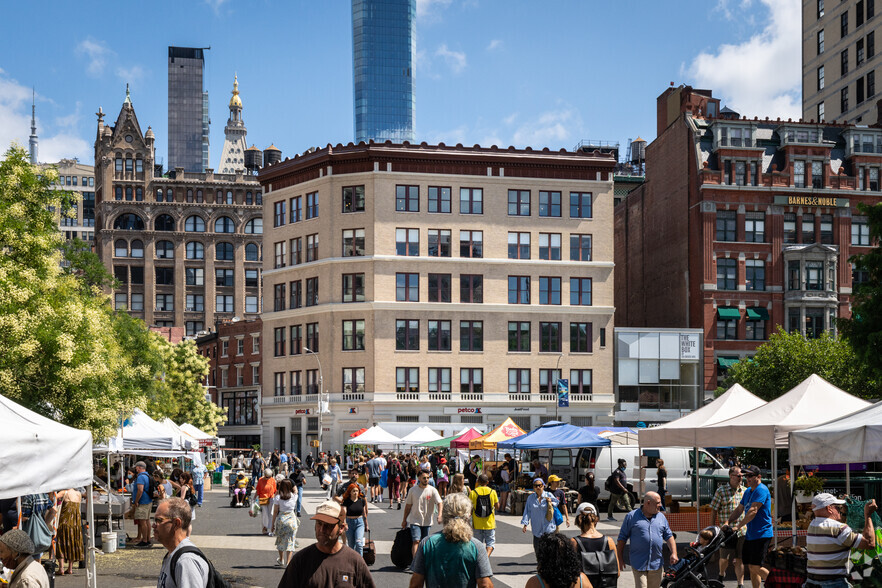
(253, 159)
(638, 150)
(272, 155)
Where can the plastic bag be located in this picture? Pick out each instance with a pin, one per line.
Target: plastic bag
(255, 509)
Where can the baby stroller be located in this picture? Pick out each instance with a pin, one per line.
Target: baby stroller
(246, 500)
(690, 571)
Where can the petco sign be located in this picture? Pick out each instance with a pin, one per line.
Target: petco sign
(468, 411)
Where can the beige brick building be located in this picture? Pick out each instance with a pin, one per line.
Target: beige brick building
(435, 284)
(78, 222)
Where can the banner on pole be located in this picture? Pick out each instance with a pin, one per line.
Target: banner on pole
(563, 393)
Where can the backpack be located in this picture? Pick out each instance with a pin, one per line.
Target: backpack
(215, 580)
(611, 485)
(483, 506)
(401, 554)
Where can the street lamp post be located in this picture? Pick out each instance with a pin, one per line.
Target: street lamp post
(320, 393)
(556, 401)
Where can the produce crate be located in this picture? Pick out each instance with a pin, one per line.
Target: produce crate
(684, 522)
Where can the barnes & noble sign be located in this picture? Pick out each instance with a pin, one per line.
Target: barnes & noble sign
(811, 201)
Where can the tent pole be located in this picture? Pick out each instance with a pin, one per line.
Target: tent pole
(697, 492)
(848, 479)
(91, 573)
(792, 505)
(109, 503)
(775, 502)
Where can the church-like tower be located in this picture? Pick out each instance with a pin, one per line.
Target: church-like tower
(33, 141)
(233, 153)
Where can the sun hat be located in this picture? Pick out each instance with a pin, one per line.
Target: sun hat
(328, 512)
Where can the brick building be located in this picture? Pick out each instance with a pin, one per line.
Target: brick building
(743, 225)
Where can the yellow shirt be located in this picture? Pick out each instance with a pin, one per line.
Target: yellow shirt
(485, 522)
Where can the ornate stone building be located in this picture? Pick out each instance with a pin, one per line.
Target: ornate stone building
(185, 247)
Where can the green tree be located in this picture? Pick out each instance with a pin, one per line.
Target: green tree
(788, 359)
(864, 330)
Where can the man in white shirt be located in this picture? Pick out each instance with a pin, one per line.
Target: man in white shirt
(829, 542)
(419, 508)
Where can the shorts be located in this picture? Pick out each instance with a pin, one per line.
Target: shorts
(505, 487)
(754, 551)
(733, 548)
(142, 512)
(418, 533)
(374, 481)
(486, 536)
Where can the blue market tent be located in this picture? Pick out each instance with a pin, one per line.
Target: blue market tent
(555, 434)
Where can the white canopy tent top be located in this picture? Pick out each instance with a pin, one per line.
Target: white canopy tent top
(194, 432)
(375, 436)
(185, 440)
(853, 438)
(140, 432)
(420, 436)
(683, 432)
(812, 402)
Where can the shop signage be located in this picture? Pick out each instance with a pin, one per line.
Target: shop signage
(811, 201)
(689, 346)
(506, 410)
(353, 410)
(302, 411)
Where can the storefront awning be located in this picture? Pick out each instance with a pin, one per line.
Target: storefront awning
(757, 313)
(729, 312)
(727, 362)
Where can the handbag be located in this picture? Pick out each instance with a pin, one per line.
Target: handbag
(369, 552)
(191, 498)
(601, 564)
(38, 531)
(384, 479)
(558, 517)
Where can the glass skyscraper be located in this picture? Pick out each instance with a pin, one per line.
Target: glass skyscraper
(383, 46)
(187, 110)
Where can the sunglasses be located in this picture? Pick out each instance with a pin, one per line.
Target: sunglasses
(749, 475)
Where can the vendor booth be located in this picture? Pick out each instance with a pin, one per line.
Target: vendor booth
(507, 430)
(419, 437)
(375, 436)
(555, 434)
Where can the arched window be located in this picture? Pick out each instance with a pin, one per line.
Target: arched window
(194, 224)
(128, 193)
(165, 250)
(139, 195)
(121, 248)
(254, 226)
(169, 195)
(199, 196)
(219, 197)
(189, 195)
(224, 225)
(224, 251)
(129, 222)
(229, 196)
(129, 165)
(249, 197)
(137, 248)
(118, 193)
(252, 253)
(118, 163)
(159, 195)
(195, 250)
(164, 222)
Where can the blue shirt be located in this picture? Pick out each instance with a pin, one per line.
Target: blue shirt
(647, 536)
(336, 474)
(143, 479)
(283, 458)
(534, 514)
(198, 472)
(761, 525)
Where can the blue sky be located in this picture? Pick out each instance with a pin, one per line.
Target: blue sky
(505, 72)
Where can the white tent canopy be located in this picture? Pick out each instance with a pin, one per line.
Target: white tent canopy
(140, 432)
(812, 402)
(683, 432)
(40, 455)
(375, 436)
(420, 436)
(853, 438)
(194, 432)
(185, 440)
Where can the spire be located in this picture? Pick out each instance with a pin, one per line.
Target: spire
(33, 141)
(128, 99)
(233, 152)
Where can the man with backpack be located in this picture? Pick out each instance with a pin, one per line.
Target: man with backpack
(141, 503)
(484, 504)
(617, 484)
(184, 566)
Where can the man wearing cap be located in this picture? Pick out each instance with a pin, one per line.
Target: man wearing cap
(15, 552)
(756, 505)
(327, 562)
(829, 541)
(726, 500)
(648, 531)
(141, 503)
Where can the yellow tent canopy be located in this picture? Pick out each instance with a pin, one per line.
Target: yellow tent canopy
(507, 430)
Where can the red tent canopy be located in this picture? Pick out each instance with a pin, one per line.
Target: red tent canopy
(462, 442)
(357, 433)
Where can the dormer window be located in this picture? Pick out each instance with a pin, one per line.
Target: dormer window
(733, 135)
(866, 143)
(802, 135)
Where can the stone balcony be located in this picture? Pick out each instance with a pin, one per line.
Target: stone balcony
(535, 398)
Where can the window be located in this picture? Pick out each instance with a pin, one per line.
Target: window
(353, 242)
(129, 166)
(296, 377)
(407, 380)
(279, 254)
(843, 25)
(251, 304)
(471, 381)
(580, 381)
(279, 213)
(518, 203)
(407, 242)
(581, 338)
(195, 250)
(549, 337)
(827, 229)
(755, 330)
(353, 287)
(859, 91)
(407, 335)
(137, 274)
(439, 199)
(871, 9)
(118, 193)
(726, 220)
(471, 288)
(312, 387)
(128, 222)
(726, 328)
(137, 302)
(755, 227)
(820, 78)
(519, 289)
(859, 53)
(165, 276)
(471, 335)
(580, 291)
(407, 287)
(439, 335)
(871, 47)
(439, 288)
(789, 227)
(194, 224)
(224, 225)
(312, 245)
(549, 203)
(580, 247)
(353, 199)
(821, 113)
(118, 166)
(312, 293)
(254, 227)
(580, 204)
(279, 341)
(296, 251)
(439, 242)
(312, 205)
(873, 179)
(794, 282)
(740, 173)
(224, 251)
(871, 84)
(519, 336)
(518, 381)
(279, 297)
(121, 273)
(249, 197)
(519, 245)
(295, 294)
(224, 346)
(407, 198)
(224, 303)
(726, 269)
(195, 276)
(353, 380)
(808, 228)
(223, 277)
(843, 99)
(312, 337)
(120, 300)
(549, 246)
(814, 275)
(755, 274)
(549, 290)
(194, 327)
(255, 345)
(471, 244)
(548, 381)
(251, 278)
(296, 209)
(859, 13)
(860, 231)
(353, 335)
(296, 336)
(471, 201)
(164, 222)
(279, 383)
(439, 382)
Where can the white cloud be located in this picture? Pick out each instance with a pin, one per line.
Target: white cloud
(97, 53)
(553, 129)
(428, 10)
(456, 60)
(761, 76)
(494, 45)
(65, 145)
(730, 13)
(216, 5)
(130, 74)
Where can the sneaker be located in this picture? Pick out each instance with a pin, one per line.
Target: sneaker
(270, 534)
(278, 561)
(399, 506)
(610, 518)
(143, 544)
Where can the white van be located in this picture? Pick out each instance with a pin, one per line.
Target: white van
(573, 464)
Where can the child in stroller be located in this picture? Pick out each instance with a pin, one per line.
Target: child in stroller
(690, 571)
(240, 491)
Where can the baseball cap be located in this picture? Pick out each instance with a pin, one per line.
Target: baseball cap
(140, 464)
(585, 508)
(823, 500)
(328, 512)
(752, 470)
(553, 478)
